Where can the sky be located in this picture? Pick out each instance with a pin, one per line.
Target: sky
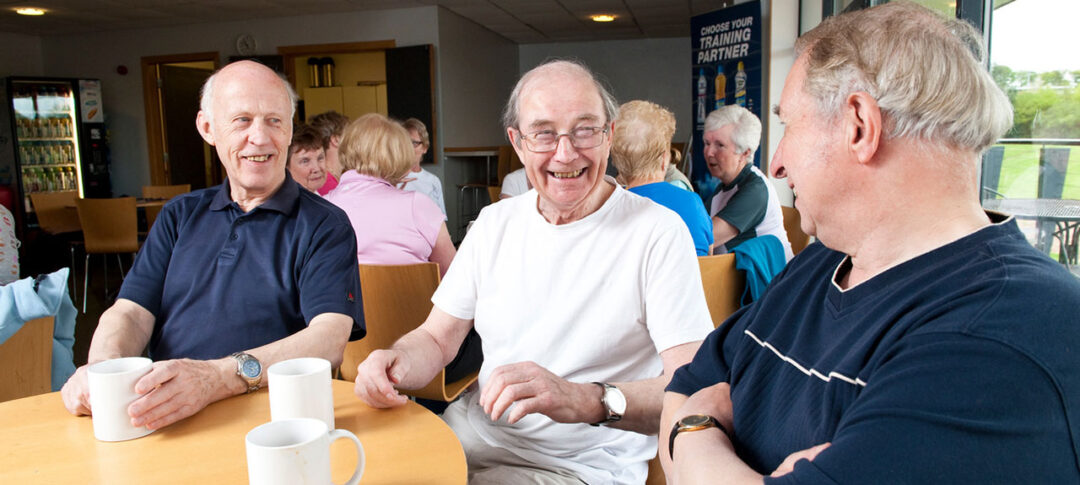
(1036, 35)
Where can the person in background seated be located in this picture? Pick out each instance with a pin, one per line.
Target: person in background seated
(514, 183)
(330, 125)
(236, 277)
(422, 181)
(745, 204)
(641, 150)
(587, 298)
(9, 248)
(394, 226)
(675, 177)
(924, 340)
(307, 158)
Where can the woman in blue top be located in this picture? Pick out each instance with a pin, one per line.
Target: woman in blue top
(641, 151)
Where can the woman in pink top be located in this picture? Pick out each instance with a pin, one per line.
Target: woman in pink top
(392, 226)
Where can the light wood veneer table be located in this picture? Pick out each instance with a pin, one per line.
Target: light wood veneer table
(42, 443)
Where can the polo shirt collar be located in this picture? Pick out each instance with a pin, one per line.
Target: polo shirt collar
(283, 201)
(740, 178)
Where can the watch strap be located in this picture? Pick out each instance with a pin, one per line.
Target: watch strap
(253, 383)
(711, 422)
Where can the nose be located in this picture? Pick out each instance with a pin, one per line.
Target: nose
(259, 133)
(564, 149)
(776, 168)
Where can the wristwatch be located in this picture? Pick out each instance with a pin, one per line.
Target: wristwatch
(614, 402)
(249, 369)
(693, 422)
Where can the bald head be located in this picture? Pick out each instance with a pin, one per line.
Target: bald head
(246, 72)
(548, 72)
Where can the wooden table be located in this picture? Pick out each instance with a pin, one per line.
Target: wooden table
(42, 443)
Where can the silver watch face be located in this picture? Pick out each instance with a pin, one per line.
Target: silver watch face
(251, 368)
(615, 400)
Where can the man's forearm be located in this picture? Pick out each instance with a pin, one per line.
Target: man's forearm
(644, 400)
(324, 337)
(123, 331)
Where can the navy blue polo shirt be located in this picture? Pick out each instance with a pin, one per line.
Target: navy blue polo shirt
(219, 280)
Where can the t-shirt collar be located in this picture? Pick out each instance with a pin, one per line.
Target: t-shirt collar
(282, 201)
(743, 174)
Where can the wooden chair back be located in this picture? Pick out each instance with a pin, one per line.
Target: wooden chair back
(56, 211)
(397, 299)
(793, 227)
(109, 225)
(723, 285)
(161, 192)
(26, 360)
(508, 161)
(493, 193)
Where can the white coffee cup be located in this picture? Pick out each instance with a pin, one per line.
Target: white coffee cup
(112, 390)
(300, 388)
(292, 451)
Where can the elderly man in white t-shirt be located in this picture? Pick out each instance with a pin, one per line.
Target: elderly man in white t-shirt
(587, 298)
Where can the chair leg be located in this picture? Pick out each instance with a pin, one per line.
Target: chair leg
(74, 289)
(86, 281)
(105, 277)
(121, 265)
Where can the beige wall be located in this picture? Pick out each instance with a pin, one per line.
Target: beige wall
(20, 56)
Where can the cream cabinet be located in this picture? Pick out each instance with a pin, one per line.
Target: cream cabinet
(351, 101)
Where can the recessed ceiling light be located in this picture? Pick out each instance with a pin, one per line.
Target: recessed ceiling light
(30, 11)
(603, 18)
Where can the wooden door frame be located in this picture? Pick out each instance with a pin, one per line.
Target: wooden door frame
(155, 141)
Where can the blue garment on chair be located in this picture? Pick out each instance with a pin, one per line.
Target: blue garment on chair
(761, 258)
(19, 303)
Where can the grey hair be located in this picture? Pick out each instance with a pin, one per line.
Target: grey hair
(747, 132)
(206, 94)
(510, 113)
(926, 72)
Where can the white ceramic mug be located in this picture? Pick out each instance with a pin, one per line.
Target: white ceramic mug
(300, 388)
(292, 451)
(112, 390)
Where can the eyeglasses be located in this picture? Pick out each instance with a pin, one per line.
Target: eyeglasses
(416, 143)
(548, 140)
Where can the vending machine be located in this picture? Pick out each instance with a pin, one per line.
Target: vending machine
(52, 138)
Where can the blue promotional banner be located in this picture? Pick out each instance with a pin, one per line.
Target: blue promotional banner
(726, 46)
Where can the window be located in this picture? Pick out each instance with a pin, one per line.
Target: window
(1034, 172)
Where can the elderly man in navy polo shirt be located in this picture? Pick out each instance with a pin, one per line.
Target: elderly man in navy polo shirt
(235, 277)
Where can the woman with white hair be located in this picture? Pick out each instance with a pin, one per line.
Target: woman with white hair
(641, 151)
(745, 204)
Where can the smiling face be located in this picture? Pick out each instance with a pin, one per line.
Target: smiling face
(569, 180)
(723, 159)
(251, 128)
(807, 153)
(308, 168)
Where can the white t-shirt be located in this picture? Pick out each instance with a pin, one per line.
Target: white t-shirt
(428, 184)
(515, 183)
(593, 300)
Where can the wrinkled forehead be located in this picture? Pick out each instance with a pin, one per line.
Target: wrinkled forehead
(562, 94)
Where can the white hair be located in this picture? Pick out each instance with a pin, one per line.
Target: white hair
(510, 113)
(747, 132)
(926, 72)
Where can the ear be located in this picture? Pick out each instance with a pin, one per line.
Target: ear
(515, 141)
(335, 140)
(202, 123)
(863, 125)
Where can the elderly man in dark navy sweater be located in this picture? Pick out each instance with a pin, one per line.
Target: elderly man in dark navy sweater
(236, 277)
(922, 340)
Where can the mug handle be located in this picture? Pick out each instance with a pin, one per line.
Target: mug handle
(337, 434)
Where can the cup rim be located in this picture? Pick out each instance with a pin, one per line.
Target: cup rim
(257, 431)
(119, 366)
(300, 366)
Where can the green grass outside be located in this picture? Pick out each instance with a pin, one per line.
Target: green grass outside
(1020, 172)
(1020, 179)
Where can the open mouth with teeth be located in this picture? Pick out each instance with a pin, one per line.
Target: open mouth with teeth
(568, 175)
(257, 158)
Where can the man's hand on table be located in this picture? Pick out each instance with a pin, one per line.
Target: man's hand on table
(377, 375)
(176, 389)
(534, 389)
(76, 392)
